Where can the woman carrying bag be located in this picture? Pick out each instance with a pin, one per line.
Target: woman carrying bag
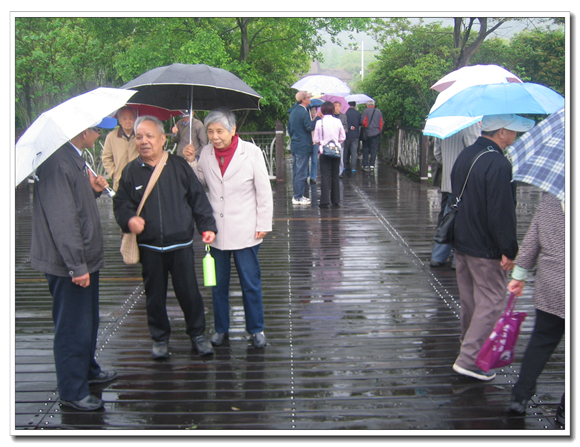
(330, 133)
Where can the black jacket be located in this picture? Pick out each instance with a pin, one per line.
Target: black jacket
(176, 204)
(67, 239)
(485, 226)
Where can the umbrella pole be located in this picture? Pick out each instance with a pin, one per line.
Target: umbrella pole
(190, 112)
(110, 191)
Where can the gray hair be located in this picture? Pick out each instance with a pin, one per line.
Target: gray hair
(370, 102)
(154, 120)
(223, 116)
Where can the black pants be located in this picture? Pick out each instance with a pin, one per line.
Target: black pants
(156, 267)
(548, 332)
(75, 313)
(329, 180)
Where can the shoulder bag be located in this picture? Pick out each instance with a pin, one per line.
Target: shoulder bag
(332, 148)
(129, 248)
(446, 231)
(364, 132)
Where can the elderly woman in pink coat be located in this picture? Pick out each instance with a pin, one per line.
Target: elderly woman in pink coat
(241, 197)
(327, 129)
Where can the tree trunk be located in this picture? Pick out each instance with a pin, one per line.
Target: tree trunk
(245, 41)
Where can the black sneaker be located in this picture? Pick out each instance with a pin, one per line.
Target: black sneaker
(518, 406)
(160, 350)
(475, 373)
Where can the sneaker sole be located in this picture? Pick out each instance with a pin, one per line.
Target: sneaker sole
(466, 372)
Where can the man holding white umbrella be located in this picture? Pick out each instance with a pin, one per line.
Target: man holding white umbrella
(67, 246)
(67, 240)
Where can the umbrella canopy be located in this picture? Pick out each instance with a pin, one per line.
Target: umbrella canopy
(322, 84)
(359, 98)
(496, 99)
(60, 124)
(157, 112)
(193, 87)
(333, 98)
(538, 157)
(455, 82)
(476, 75)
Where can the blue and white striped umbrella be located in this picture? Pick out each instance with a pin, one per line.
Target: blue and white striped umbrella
(538, 157)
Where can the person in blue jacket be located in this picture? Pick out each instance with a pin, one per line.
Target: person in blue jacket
(300, 127)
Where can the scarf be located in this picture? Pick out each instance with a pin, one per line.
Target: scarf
(224, 156)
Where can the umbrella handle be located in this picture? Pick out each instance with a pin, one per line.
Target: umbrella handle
(110, 191)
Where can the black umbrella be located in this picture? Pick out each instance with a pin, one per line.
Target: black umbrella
(192, 87)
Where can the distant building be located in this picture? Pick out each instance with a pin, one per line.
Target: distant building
(339, 73)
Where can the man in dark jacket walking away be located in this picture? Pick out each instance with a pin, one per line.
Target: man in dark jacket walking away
(485, 234)
(353, 118)
(67, 246)
(165, 229)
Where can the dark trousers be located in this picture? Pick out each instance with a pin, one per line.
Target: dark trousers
(156, 268)
(329, 181)
(349, 153)
(369, 151)
(75, 313)
(548, 332)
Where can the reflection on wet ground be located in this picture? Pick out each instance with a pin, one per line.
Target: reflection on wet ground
(361, 332)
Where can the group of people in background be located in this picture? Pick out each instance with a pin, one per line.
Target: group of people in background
(310, 129)
(236, 213)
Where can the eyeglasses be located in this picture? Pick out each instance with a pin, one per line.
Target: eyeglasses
(96, 129)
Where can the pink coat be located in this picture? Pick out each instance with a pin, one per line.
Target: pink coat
(333, 130)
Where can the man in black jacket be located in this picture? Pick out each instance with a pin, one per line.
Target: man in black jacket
(67, 246)
(485, 234)
(165, 231)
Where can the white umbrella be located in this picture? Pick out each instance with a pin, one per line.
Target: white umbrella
(359, 98)
(330, 85)
(455, 82)
(60, 124)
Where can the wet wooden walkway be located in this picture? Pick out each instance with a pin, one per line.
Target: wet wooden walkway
(362, 333)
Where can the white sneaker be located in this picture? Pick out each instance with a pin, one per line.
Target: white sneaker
(301, 201)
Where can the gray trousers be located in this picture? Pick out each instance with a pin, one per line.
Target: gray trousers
(482, 291)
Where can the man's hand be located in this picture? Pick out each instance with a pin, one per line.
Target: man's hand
(260, 234)
(136, 224)
(83, 281)
(98, 183)
(506, 264)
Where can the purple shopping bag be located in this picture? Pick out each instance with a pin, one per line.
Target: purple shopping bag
(499, 348)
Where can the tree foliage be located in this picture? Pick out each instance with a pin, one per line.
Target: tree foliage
(60, 57)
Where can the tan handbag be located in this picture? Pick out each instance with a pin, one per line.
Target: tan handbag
(129, 248)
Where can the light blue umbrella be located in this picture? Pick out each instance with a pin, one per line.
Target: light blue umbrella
(495, 99)
(538, 157)
(359, 98)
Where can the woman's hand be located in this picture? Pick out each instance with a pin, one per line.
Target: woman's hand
(516, 287)
(207, 237)
(189, 153)
(261, 234)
